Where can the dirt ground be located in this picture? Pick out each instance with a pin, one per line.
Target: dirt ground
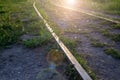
(20, 63)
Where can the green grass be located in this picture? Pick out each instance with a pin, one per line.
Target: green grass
(10, 25)
(9, 33)
(98, 44)
(70, 43)
(115, 37)
(18, 17)
(72, 73)
(35, 42)
(116, 26)
(107, 6)
(105, 32)
(113, 52)
(44, 38)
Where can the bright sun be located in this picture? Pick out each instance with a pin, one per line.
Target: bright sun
(71, 2)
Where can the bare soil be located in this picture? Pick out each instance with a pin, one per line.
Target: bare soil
(20, 63)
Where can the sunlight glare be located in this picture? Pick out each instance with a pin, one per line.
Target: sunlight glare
(71, 2)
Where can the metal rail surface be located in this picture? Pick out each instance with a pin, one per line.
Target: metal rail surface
(85, 12)
(73, 60)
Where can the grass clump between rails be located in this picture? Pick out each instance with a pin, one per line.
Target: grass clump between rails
(115, 37)
(114, 53)
(98, 44)
(116, 26)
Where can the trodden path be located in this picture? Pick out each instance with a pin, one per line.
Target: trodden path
(20, 63)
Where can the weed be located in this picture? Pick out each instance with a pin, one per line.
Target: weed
(9, 33)
(32, 43)
(96, 43)
(43, 39)
(115, 37)
(35, 42)
(70, 43)
(105, 32)
(114, 53)
(10, 21)
(71, 73)
(117, 26)
(84, 64)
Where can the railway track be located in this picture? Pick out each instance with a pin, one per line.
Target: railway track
(72, 59)
(78, 67)
(89, 13)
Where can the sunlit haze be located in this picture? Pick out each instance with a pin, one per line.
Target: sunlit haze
(71, 2)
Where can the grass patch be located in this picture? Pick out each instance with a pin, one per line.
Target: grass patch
(105, 32)
(116, 26)
(9, 34)
(10, 29)
(35, 42)
(11, 15)
(114, 53)
(115, 37)
(98, 44)
(44, 38)
(18, 17)
(70, 43)
(72, 73)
